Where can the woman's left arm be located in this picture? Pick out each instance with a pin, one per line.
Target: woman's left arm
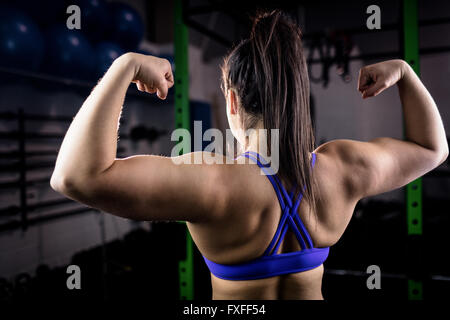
(139, 187)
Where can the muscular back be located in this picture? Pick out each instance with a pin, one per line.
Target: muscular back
(244, 232)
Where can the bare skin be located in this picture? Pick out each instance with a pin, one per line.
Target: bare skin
(231, 210)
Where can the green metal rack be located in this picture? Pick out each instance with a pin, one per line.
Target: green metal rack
(413, 189)
(182, 120)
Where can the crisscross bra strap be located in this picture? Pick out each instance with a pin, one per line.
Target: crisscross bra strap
(289, 207)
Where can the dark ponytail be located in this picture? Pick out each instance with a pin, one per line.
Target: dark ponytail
(269, 73)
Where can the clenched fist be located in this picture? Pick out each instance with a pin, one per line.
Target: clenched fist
(377, 77)
(152, 74)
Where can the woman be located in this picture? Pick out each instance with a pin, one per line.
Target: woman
(232, 211)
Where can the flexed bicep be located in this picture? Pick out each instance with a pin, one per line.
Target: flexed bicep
(380, 165)
(146, 187)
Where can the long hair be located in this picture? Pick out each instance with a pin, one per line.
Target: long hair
(269, 74)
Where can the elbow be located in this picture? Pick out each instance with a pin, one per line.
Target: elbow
(77, 189)
(441, 155)
(444, 154)
(61, 183)
(66, 185)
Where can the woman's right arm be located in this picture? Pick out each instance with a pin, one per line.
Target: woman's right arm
(384, 164)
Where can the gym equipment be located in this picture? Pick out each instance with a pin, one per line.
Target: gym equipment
(342, 45)
(94, 18)
(13, 210)
(8, 115)
(21, 165)
(44, 12)
(68, 54)
(125, 26)
(16, 154)
(21, 42)
(30, 135)
(32, 182)
(17, 223)
(182, 120)
(106, 53)
(324, 54)
(410, 35)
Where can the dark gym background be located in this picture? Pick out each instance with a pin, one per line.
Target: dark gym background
(46, 72)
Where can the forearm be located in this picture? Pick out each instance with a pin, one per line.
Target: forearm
(422, 122)
(90, 144)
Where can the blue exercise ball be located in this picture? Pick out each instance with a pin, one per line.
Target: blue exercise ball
(44, 12)
(21, 42)
(106, 53)
(126, 26)
(94, 18)
(69, 54)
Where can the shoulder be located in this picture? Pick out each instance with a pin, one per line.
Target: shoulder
(334, 174)
(347, 162)
(333, 158)
(340, 149)
(229, 186)
(219, 185)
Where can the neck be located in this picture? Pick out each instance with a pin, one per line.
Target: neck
(256, 140)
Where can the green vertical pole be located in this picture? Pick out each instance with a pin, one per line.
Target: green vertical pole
(414, 189)
(182, 120)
